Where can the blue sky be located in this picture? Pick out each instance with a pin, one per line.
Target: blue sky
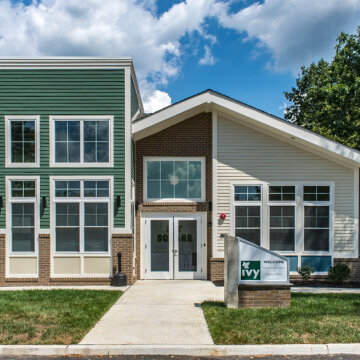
(249, 50)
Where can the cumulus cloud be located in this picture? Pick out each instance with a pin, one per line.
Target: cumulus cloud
(105, 28)
(156, 101)
(295, 32)
(208, 58)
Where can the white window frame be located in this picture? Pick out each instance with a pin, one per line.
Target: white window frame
(282, 203)
(247, 203)
(80, 254)
(8, 162)
(175, 200)
(299, 214)
(81, 118)
(330, 204)
(36, 201)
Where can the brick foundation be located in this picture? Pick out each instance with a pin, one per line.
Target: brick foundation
(217, 269)
(264, 296)
(189, 138)
(120, 243)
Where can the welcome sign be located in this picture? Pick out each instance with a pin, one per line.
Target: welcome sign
(258, 265)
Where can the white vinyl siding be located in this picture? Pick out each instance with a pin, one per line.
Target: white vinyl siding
(246, 155)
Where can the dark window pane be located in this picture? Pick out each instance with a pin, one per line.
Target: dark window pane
(103, 131)
(181, 170)
(29, 130)
(167, 169)
(61, 152)
(282, 239)
(29, 152)
(16, 152)
(16, 131)
(102, 152)
(153, 170)
(316, 240)
(23, 239)
(240, 197)
(96, 239)
(153, 189)
(74, 152)
(194, 189)
(181, 189)
(252, 235)
(67, 239)
(194, 169)
(167, 189)
(60, 130)
(74, 131)
(89, 130)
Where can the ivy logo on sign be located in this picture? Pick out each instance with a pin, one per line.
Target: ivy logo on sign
(250, 270)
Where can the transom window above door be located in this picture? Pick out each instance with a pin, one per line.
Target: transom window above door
(81, 141)
(174, 179)
(21, 141)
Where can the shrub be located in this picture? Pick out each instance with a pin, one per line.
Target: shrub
(339, 273)
(305, 271)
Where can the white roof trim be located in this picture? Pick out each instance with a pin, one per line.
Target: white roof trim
(209, 101)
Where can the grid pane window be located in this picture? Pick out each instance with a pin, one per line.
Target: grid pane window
(67, 188)
(67, 227)
(247, 193)
(21, 188)
(67, 141)
(96, 227)
(174, 179)
(96, 141)
(22, 141)
(282, 228)
(316, 229)
(22, 227)
(282, 193)
(247, 223)
(96, 188)
(316, 193)
(82, 141)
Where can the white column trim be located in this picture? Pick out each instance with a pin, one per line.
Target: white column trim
(215, 252)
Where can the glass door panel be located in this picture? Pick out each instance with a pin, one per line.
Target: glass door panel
(187, 237)
(159, 245)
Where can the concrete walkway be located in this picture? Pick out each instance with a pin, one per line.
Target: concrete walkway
(157, 312)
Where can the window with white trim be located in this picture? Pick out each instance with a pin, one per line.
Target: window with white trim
(82, 213)
(22, 208)
(282, 217)
(82, 141)
(247, 200)
(317, 201)
(21, 141)
(174, 179)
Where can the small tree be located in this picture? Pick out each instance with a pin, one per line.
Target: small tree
(305, 272)
(339, 273)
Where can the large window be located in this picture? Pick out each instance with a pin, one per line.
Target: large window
(82, 215)
(174, 179)
(22, 215)
(21, 141)
(85, 142)
(316, 218)
(248, 212)
(282, 218)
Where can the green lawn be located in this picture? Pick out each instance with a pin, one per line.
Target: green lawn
(321, 318)
(51, 316)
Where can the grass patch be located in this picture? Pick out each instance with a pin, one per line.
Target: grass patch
(51, 316)
(311, 319)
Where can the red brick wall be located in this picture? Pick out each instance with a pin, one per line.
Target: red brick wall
(353, 264)
(217, 269)
(189, 138)
(264, 296)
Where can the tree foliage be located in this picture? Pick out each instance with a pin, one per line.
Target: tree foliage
(327, 94)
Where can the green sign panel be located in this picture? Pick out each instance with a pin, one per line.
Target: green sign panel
(250, 270)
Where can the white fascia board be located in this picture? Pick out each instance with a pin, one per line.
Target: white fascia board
(210, 101)
(65, 63)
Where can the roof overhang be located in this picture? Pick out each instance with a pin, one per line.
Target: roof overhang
(211, 101)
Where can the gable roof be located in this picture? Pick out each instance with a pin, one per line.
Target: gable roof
(212, 101)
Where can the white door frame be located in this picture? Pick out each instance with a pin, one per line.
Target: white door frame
(202, 227)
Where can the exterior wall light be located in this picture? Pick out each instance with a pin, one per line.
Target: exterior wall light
(43, 201)
(118, 201)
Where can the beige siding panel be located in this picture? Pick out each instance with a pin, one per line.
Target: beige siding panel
(247, 154)
(97, 265)
(67, 265)
(23, 266)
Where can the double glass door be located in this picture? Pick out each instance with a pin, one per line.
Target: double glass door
(173, 247)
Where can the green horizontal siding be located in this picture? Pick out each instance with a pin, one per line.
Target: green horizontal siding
(63, 92)
(134, 100)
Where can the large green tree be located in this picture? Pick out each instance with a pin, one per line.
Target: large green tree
(327, 94)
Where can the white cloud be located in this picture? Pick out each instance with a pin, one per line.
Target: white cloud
(296, 32)
(113, 28)
(156, 101)
(208, 58)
